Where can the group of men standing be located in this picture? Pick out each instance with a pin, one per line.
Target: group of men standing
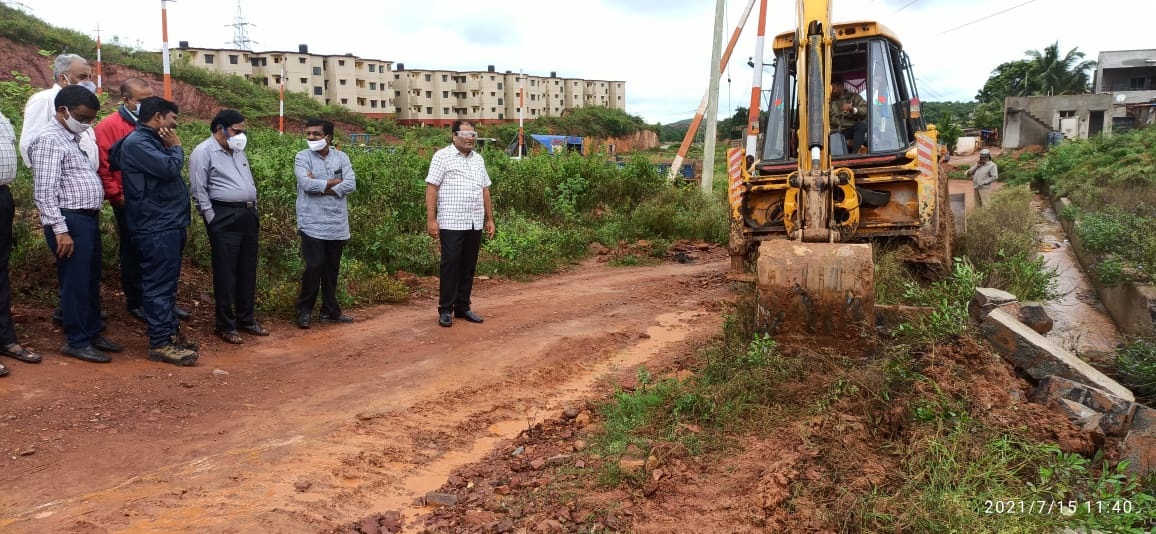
(134, 159)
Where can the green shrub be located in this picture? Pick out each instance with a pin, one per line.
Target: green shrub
(1136, 367)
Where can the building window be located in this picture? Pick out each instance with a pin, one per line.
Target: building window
(397, 93)
(427, 77)
(233, 59)
(342, 82)
(1136, 83)
(1067, 114)
(301, 60)
(341, 63)
(429, 94)
(372, 86)
(344, 101)
(208, 59)
(499, 85)
(445, 94)
(493, 110)
(373, 103)
(304, 80)
(445, 111)
(317, 90)
(429, 110)
(372, 67)
(317, 71)
(499, 101)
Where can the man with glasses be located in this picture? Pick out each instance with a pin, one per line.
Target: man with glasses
(324, 179)
(68, 194)
(458, 209)
(156, 203)
(226, 195)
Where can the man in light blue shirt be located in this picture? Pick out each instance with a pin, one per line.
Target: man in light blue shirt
(324, 179)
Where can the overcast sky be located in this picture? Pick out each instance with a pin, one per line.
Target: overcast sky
(661, 48)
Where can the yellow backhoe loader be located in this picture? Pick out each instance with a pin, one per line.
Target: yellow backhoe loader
(815, 197)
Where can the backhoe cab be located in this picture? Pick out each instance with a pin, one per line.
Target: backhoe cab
(811, 204)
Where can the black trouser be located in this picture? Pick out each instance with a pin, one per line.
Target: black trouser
(7, 213)
(233, 238)
(322, 264)
(856, 134)
(129, 262)
(160, 254)
(459, 262)
(79, 276)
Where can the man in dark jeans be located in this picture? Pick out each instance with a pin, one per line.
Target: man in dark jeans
(226, 195)
(156, 202)
(109, 131)
(68, 194)
(8, 343)
(458, 210)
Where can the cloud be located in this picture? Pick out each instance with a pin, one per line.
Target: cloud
(482, 32)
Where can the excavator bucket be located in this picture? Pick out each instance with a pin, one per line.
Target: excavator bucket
(816, 289)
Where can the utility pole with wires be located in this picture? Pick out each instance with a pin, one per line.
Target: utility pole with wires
(241, 40)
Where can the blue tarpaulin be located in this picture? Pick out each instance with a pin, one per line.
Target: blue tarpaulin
(558, 142)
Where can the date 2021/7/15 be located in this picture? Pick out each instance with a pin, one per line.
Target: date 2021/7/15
(1120, 506)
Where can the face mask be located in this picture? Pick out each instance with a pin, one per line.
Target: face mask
(318, 145)
(88, 85)
(74, 125)
(136, 109)
(238, 142)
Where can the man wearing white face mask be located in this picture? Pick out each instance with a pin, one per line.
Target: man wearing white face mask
(68, 194)
(40, 111)
(156, 205)
(226, 195)
(324, 179)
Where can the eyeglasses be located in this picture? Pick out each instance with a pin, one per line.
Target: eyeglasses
(466, 135)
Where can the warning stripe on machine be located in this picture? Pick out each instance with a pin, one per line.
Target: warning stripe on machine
(925, 154)
(735, 173)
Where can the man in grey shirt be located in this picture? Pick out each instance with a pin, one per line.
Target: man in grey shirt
(226, 195)
(324, 179)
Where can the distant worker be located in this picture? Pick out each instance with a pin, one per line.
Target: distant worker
(111, 129)
(458, 209)
(848, 115)
(9, 346)
(68, 195)
(985, 173)
(324, 181)
(40, 111)
(156, 203)
(226, 195)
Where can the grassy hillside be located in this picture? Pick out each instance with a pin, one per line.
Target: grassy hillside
(231, 91)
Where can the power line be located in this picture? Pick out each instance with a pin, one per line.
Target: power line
(906, 6)
(987, 17)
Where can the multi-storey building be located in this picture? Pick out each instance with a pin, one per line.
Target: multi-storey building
(438, 97)
(429, 97)
(358, 84)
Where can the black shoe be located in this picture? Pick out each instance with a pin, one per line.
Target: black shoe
(103, 344)
(181, 313)
(340, 319)
(469, 316)
(256, 329)
(446, 319)
(138, 314)
(303, 321)
(20, 353)
(88, 354)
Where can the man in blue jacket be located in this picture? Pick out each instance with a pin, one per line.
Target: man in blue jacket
(156, 203)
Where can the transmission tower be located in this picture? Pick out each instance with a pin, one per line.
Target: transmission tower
(241, 39)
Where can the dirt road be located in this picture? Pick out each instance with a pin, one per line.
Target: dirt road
(308, 430)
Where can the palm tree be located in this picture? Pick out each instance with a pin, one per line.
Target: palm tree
(1059, 75)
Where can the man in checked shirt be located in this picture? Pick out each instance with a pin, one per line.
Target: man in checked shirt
(69, 194)
(8, 344)
(458, 209)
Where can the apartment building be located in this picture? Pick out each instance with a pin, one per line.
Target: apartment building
(429, 97)
(358, 84)
(439, 97)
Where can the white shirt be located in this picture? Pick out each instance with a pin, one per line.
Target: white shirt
(460, 180)
(39, 112)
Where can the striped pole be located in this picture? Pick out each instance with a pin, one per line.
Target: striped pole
(521, 112)
(698, 114)
(99, 77)
(165, 49)
(281, 104)
(757, 83)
